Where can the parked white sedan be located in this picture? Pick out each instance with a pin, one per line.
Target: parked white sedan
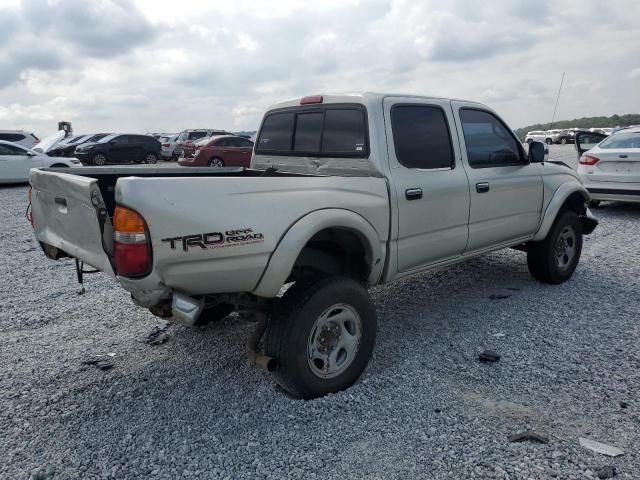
(611, 169)
(16, 161)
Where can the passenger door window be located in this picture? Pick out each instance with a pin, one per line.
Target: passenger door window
(10, 150)
(489, 142)
(421, 137)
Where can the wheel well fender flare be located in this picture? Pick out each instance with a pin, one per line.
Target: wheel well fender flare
(556, 204)
(304, 229)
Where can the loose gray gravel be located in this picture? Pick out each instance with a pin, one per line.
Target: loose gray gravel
(425, 408)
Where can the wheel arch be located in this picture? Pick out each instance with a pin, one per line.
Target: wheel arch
(334, 241)
(569, 196)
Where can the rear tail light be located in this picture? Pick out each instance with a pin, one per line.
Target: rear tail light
(132, 243)
(588, 160)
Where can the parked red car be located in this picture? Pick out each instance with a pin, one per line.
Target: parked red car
(222, 151)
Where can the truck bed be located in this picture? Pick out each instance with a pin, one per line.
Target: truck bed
(249, 211)
(108, 176)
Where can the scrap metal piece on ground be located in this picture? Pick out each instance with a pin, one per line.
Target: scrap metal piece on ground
(599, 447)
(498, 297)
(608, 471)
(528, 436)
(99, 361)
(488, 357)
(158, 335)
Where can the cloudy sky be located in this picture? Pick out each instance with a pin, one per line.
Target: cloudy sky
(147, 65)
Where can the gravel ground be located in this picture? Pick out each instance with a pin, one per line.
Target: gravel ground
(425, 408)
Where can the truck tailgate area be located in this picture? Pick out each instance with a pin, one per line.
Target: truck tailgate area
(69, 214)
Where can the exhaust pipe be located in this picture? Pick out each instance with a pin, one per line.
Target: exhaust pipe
(257, 359)
(185, 310)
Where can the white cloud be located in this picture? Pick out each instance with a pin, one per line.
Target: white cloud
(151, 65)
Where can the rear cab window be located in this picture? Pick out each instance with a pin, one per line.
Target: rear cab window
(328, 130)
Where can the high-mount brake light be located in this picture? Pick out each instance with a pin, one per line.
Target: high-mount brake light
(311, 99)
(132, 249)
(588, 160)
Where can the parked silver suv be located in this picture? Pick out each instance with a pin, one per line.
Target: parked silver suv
(21, 137)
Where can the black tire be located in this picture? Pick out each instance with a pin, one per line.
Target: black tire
(292, 326)
(214, 314)
(216, 162)
(548, 141)
(544, 258)
(102, 159)
(563, 141)
(150, 158)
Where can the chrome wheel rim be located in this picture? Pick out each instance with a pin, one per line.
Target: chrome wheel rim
(565, 249)
(216, 163)
(334, 341)
(99, 159)
(150, 158)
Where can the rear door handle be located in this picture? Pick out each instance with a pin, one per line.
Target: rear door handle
(413, 193)
(482, 187)
(623, 156)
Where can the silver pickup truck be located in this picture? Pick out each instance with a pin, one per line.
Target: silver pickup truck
(344, 192)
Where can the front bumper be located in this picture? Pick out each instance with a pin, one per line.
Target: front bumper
(84, 157)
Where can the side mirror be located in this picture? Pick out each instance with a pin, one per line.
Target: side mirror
(537, 152)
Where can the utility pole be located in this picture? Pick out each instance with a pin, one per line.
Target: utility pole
(556, 106)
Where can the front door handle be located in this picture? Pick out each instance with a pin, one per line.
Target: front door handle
(623, 156)
(413, 193)
(482, 187)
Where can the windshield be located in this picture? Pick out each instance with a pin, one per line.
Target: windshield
(622, 140)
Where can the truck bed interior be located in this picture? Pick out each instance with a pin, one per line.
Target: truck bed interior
(108, 176)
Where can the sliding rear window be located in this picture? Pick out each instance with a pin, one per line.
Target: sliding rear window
(337, 130)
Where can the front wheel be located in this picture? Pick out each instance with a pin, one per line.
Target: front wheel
(216, 163)
(563, 141)
(99, 159)
(548, 141)
(554, 259)
(321, 334)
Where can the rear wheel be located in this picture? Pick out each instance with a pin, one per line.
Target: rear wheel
(321, 334)
(216, 162)
(150, 158)
(99, 159)
(554, 259)
(563, 141)
(548, 141)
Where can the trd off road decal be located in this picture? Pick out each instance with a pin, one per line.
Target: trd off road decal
(230, 238)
